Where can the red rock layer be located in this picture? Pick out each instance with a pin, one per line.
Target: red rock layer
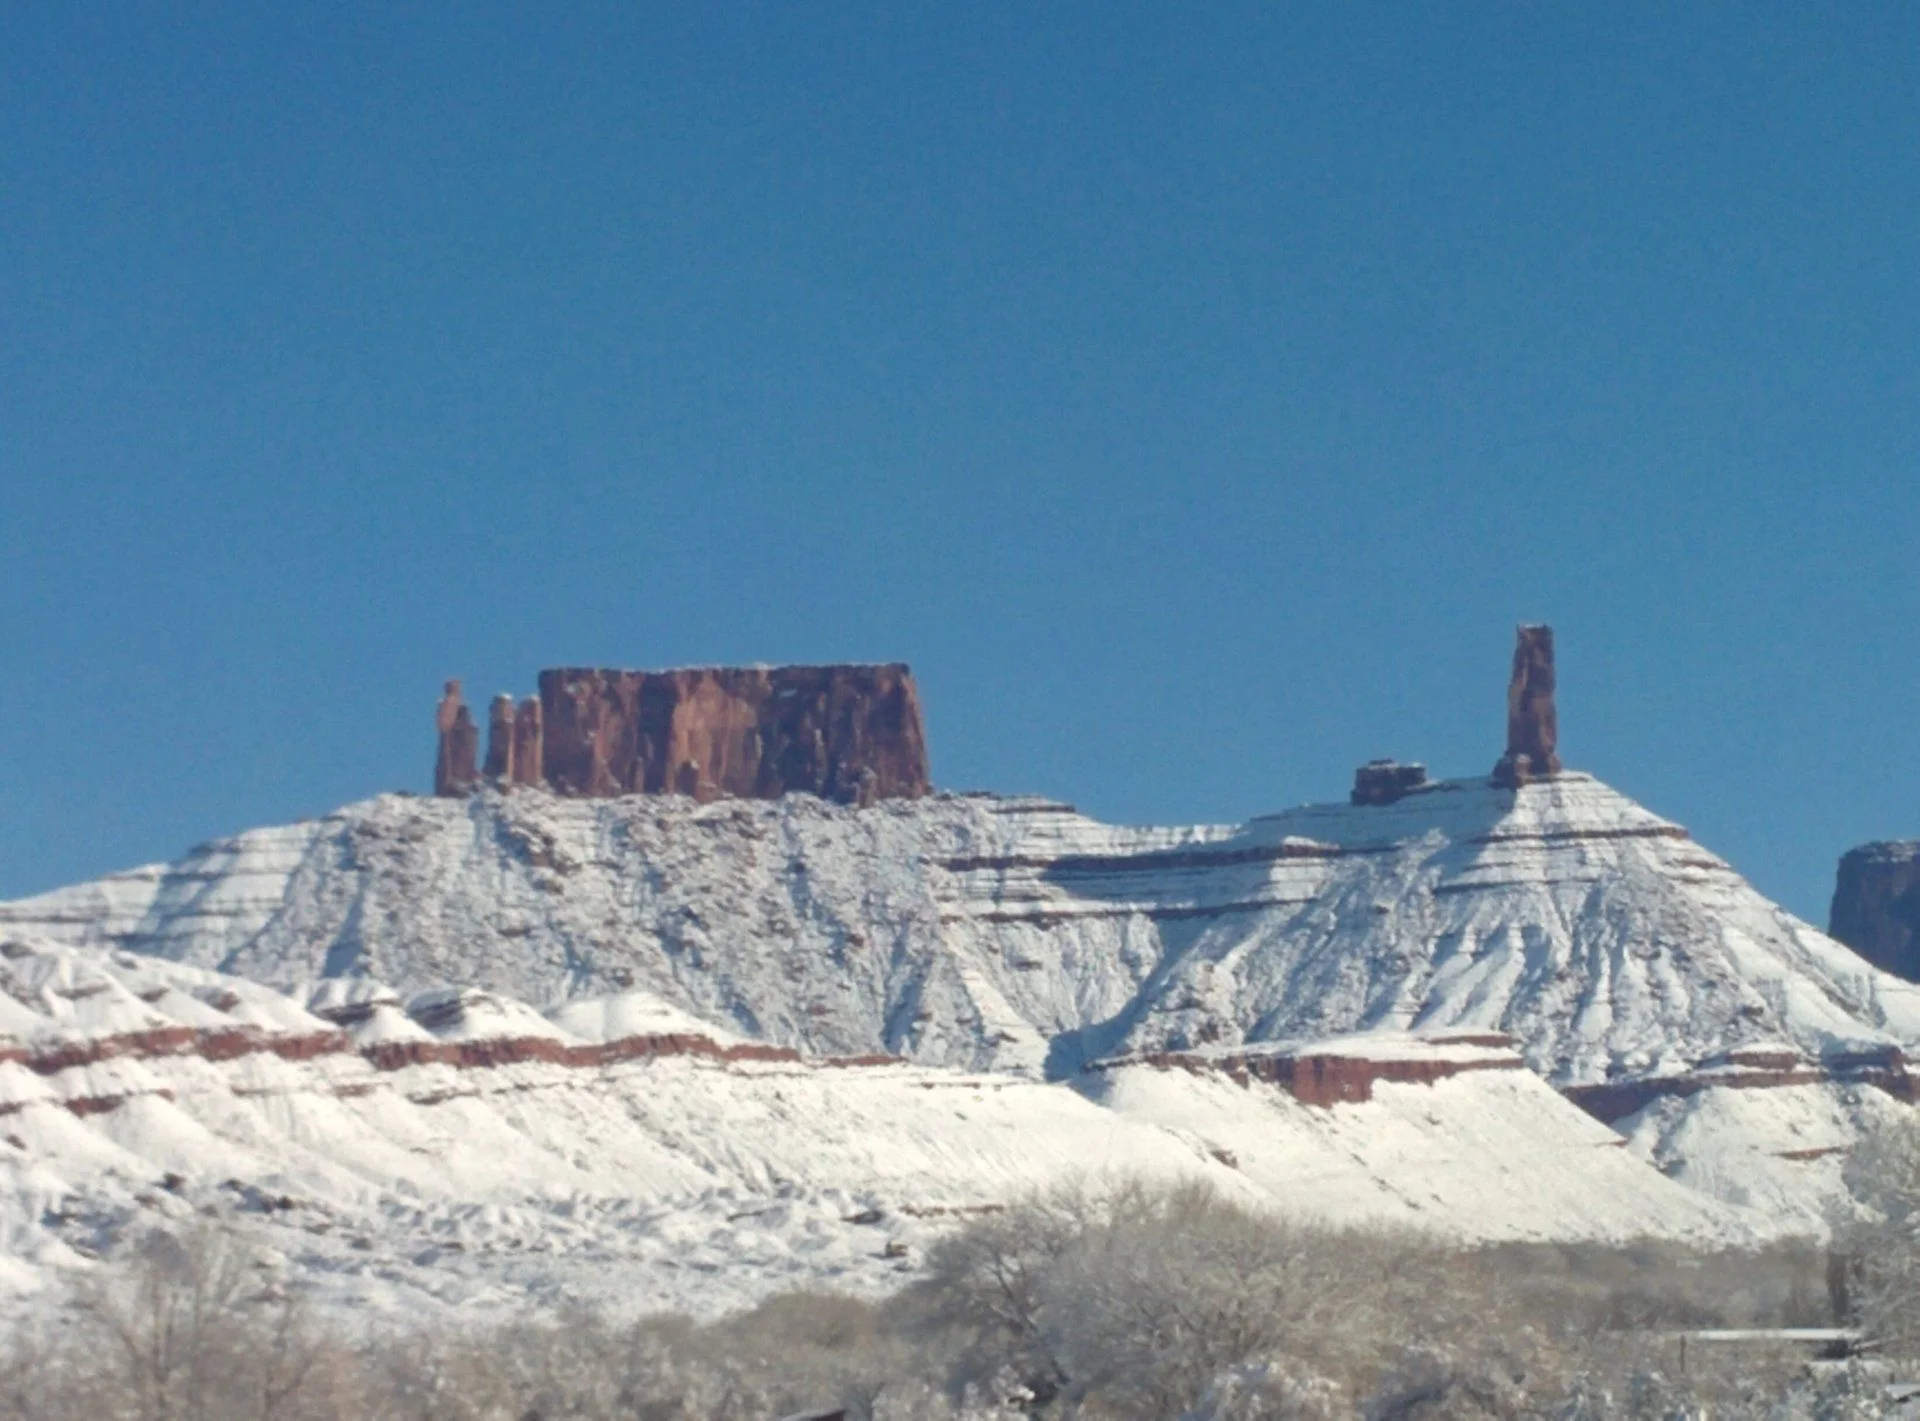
(225, 1044)
(1749, 1070)
(1327, 1079)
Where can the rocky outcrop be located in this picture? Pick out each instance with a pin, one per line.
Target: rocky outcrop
(851, 734)
(514, 1050)
(1750, 1068)
(1384, 781)
(846, 733)
(1533, 725)
(1344, 1072)
(453, 768)
(501, 740)
(528, 767)
(1876, 905)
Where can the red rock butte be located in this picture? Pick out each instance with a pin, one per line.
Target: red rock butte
(851, 734)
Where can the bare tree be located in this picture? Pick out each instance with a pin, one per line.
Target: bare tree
(1118, 1303)
(1878, 1239)
(188, 1329)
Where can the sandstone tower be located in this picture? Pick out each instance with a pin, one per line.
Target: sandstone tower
(1533, 725)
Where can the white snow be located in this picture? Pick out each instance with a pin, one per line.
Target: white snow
(1778, 1151)
(692, 1182)
(1018, 935)
(632, 1014)
(1480, 1155)
(997, 943)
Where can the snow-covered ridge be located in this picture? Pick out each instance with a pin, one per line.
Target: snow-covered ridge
(1341, 1070)
(1018, 935)
(1885, 1070)
(520, 1157)
(80, 1018)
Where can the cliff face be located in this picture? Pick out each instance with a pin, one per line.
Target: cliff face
(851, 734)
(1876, 906)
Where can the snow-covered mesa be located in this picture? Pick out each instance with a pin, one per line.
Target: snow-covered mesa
(1016, 935)
(668, 1054)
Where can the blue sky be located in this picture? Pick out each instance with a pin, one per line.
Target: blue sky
(1196, 396)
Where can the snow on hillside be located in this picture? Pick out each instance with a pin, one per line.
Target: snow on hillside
(1494, 1153)
(1017, 935)
(1778, 1151)
(531, 1159)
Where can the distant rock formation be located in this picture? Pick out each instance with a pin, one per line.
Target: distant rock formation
(1384, 781)
(852, 734)
(1876, 905)
(501, 741)
(1533, 726)
(453, 769)
(528, 767)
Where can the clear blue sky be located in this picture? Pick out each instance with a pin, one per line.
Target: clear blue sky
(1195, 395)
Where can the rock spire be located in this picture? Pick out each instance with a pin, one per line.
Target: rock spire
(501, 739)
(1533, 725)
(528, 734)
(453, 770)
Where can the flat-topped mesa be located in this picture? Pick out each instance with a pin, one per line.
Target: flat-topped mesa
(1876, 905)
(852, 734)
(1533, 725)
(453, 768)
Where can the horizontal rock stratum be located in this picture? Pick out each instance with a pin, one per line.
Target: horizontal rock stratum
(851, 734)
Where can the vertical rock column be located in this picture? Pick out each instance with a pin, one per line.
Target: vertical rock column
(1533, 725)
(529, 744)
(453, 770)
(501, 740)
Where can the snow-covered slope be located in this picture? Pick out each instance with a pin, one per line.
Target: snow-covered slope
(460, 1148)
(1779, 1151)
(1018, 935)
(1495, 1149)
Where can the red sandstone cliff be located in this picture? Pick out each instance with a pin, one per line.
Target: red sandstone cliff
(846, 733)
